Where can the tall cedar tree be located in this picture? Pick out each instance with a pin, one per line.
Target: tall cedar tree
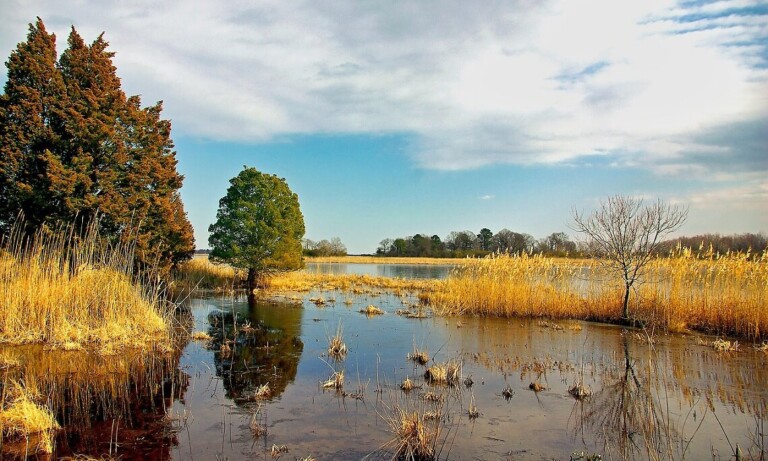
(74, 147)
(259, 226)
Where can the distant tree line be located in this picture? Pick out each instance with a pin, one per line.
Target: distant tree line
(332, 247)
(756, 243)
(467, 243)
(459, 244)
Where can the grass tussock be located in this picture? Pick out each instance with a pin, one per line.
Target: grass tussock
(201, 336)
(372, 310)
(715, 293)
(200, 273)
(415, 434)
(69, 292)
(444, 373)
(419, 356)
(335, 381)
(337, 350)
(22, 418)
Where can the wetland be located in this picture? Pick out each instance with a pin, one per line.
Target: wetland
(256, 386)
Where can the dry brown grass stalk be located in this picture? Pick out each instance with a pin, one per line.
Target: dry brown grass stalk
(337, 350)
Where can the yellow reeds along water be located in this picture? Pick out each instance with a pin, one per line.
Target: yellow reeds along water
(715, 293)
(71, 292)
(199, 273)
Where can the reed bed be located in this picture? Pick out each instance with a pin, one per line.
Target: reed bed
(71, 292)
(715, 293)
(200, 273)
(354, 283)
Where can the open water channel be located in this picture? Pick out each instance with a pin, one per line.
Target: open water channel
(670, 397)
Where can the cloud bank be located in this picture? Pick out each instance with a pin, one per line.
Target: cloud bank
(680, 88)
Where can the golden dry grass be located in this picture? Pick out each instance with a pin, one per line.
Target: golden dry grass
(371, 310)
(22, 418)
(722, 294)
(337, 350)
(200, 273)
(444, 373)
(68, 292)
(353, 283)
(416, 434)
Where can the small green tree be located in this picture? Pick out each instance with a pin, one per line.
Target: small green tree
(259, 226)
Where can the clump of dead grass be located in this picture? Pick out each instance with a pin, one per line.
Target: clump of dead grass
(335, 381)
(337, 350)
(201, 336)
(419, 356)
(444, 373)
(21, 418)
(372, 310)
(415, 434)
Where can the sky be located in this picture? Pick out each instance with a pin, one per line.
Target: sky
(390, 119)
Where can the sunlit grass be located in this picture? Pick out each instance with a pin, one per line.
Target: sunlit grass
(351, 283)
(200, 273)
(723, 294)
(25, 421)
(68, 292)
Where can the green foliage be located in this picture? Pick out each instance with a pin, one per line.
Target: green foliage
(73, 146)
(259, 225)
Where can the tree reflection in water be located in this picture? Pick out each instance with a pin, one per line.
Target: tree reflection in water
(627, 414)
(257, 352)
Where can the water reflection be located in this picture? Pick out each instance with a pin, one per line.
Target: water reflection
(256, 344)
(407, 271)
(101, 401)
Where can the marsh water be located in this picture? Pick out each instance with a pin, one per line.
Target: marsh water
(665, 396)
(407, 271)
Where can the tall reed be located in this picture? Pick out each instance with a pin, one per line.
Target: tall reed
(70, 290)
(715, 293)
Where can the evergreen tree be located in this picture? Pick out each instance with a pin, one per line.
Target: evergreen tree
(31, 119)
(259, 226)
(97, 152)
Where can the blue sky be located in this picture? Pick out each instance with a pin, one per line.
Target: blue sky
(390, 119)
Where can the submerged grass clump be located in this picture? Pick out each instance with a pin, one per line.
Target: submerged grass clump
(23, 419)
(70, 291)
(337, 350)
(371, 310)
(444, 373)
(715, 293)
(415, 434)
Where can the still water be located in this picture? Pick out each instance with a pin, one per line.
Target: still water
(670, 398)
(407, 271)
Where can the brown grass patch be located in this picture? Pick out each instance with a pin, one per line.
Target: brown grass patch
(21, 418)
(337, 350)
(444, 373)
(371, 310)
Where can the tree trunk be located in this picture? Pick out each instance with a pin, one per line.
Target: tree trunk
(625, 311)
(252, 276)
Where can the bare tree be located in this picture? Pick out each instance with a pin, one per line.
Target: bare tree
(624, 232)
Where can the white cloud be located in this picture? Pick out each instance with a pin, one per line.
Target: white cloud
(487, 197)
(475, 84)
